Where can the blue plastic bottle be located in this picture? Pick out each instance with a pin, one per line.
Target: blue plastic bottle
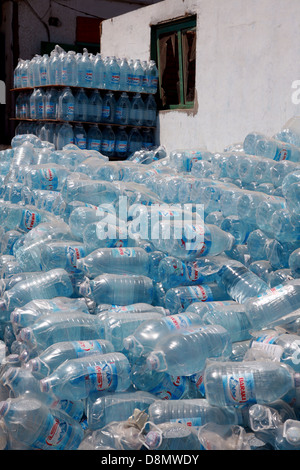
(81, 106)
(113, 74)
(44, 70)
(69, 69)
(44, 429)
(137, 110)
(53, 356)
(108, 141)
(94, 138)
(123, 108)
(125, 72)
(118, 289)
(85, 71)
(137, 78)
(66, 105)
(99, 69)
(80, 137)
(186, 351)
(94, 107)
(108, 108)
(77, 378)
(51, 103)
(121, 144)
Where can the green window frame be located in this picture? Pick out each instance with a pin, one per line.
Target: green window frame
(173, 47)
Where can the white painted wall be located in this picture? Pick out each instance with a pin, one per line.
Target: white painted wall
(247, 59)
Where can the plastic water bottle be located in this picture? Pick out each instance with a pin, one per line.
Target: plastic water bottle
(117, 325)
(135, 141)
(248, 382)
(61, 254)
(121, 143)
(118, 289)
(80, 136)
(171, 437)
(81, 106)
(153, 77)
(192, 412)
(113, 74)
(77, 378)
(94, 107)
(273, 304)
(17, 76)
(262, 269)
(137, 78)
(271, 148)
(45, 176)
(44, 429)
(104, 407)
(44, 70)
(108, 108)
(288, 436)
(186, 351)
(24, 74)
(150, 333)
(46, 285)
(85, 71)
(123, 109)
(99, 69)
(65, 136)
(137, 110)
(108, 141)
(173, 272)
(257, 242)
(69, 69)
(150, 112)
(66, 105)
(55, 327)
(51, 103)
(294, 262)
(115, 260)
(213, 436)
(293, 198)
(90, 191)
(237, 227)
(125, 72)
(240, 283)
(82, 216)
(37, 104)
(179, 298)
(53, 356)
(189, 241)
(94, 138)
(22, 317)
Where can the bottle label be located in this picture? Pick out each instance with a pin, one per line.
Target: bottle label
(115, 78)
(89, 75)
(105, 111)
(29, 220)
(102, 377)
(70, 110)
(81, 143)
(72, 255)
(94, 144)
(121, 146)
(50, 109)
(84, 348)
(170, 388)
(32, 111)
(204, 294)
(118, 252)
(176, 322)
(239, 389)
(108, 145)
(283, 153)
(56, 432)
(193, 272)
(48, 178)
(137, 80)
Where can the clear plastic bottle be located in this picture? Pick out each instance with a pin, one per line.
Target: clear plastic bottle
(237, 227)
(65, 136)
(121, 143)
(125, 73)
(239, 282)
(147, 335)
(75, 379)
(80, 136)
(45, 176)
(52, 283)
(135, 141)
(213, 436)
(53, 356)
(104, 407)
(137, 110)
(108, 141)
(69, 69)
(137, 78)
(31, 423)
(94, 138)
(66, 105)
(113, 74)
(192, 412)
(99, 69)
(85, 71)
(81, 106)
(123, 110)
(257, 242)
(247, 382)
(178, 299)
(153, 77)
(186, 351)
(108, 108)
(273, 304)
(171, 437)
(118, 289)
(94, 107)
(61, 254)
(51, 103)
(115, 260)
(150, 111)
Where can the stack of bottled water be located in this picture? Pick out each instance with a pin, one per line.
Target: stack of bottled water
(150, 303)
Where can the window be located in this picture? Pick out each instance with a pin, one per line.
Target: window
(173, 47)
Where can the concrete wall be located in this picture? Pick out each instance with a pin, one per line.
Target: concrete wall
(247, 60)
